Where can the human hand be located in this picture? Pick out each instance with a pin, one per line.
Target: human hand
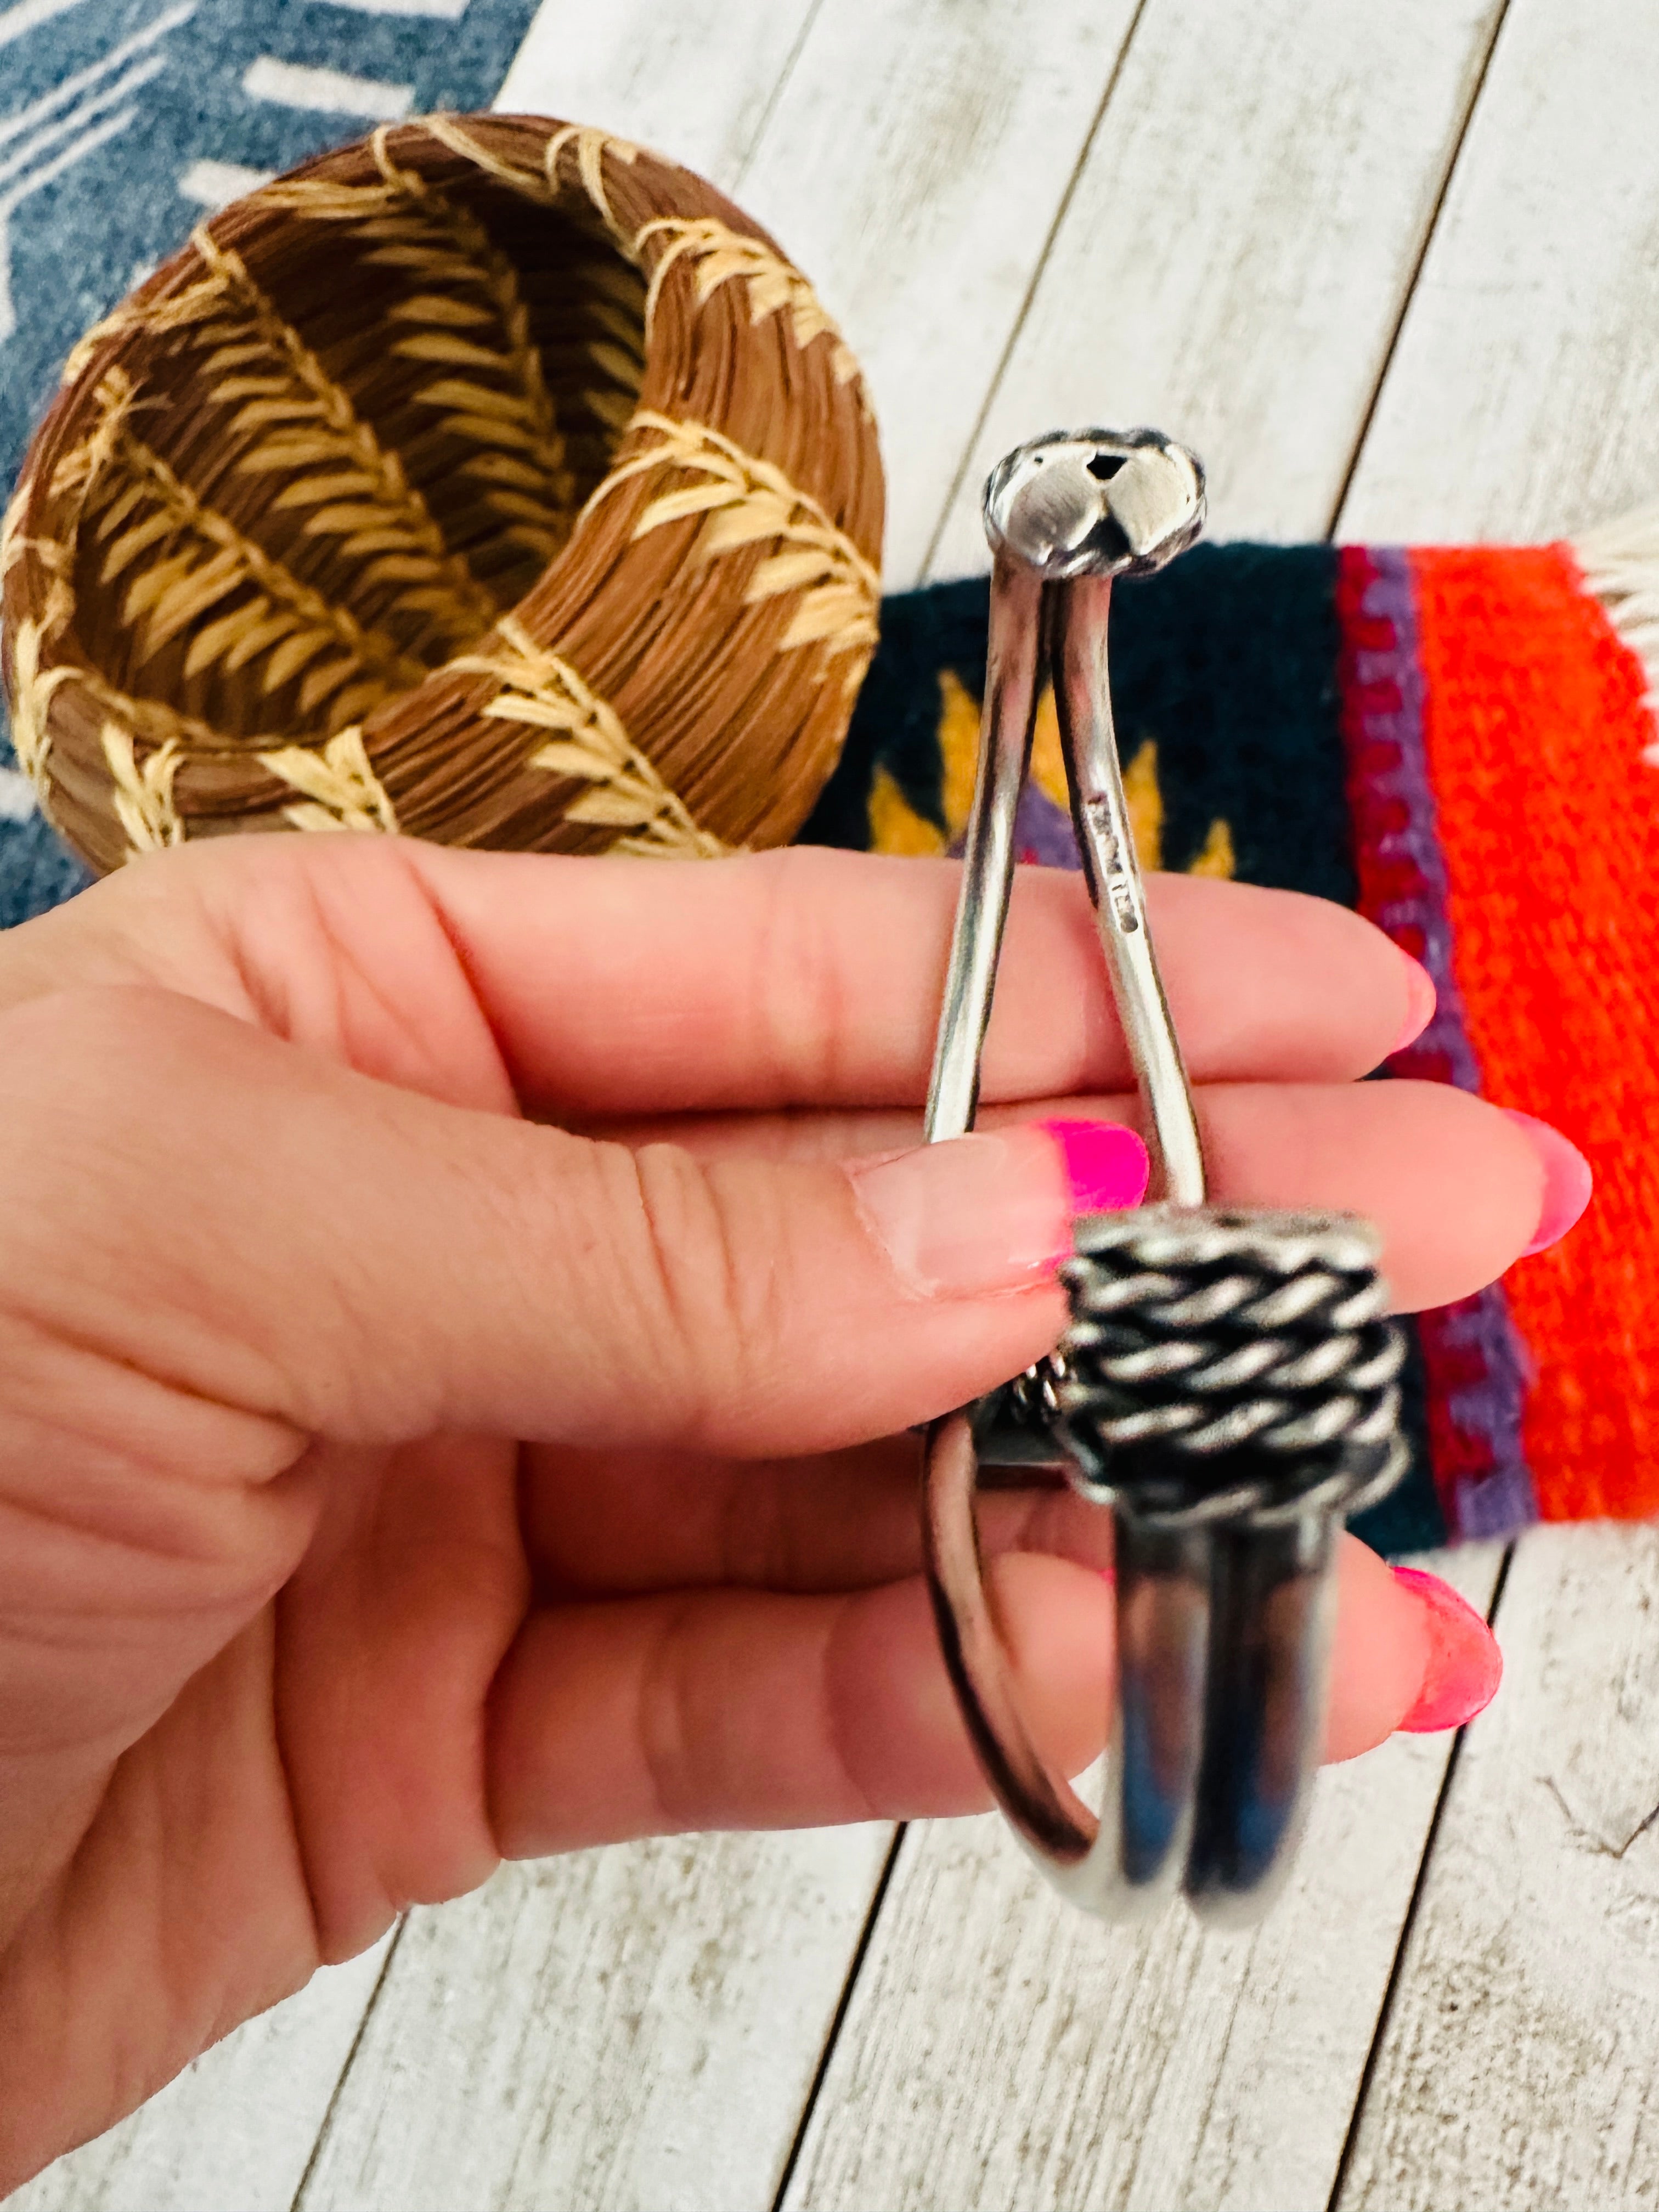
(389, 1480)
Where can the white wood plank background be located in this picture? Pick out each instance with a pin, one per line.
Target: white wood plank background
(1225, 243)
(235, 2132)
(915, 163)
(1240, 242)
(1523, 399)
(1520, 2065)
(619, 2028)
(694, 80)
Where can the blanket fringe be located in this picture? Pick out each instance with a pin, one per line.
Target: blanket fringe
(1619, 560)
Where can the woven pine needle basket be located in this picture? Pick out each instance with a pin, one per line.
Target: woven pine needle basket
(492, 480)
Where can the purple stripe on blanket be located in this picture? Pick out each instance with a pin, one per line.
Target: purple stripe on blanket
(1476, 1359)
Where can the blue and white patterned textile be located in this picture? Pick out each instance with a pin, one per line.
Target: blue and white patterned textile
(122, 122)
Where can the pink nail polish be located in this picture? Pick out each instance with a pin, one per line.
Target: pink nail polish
(993, 1212)
(1567, 1180)
(1106, 1165)
(1465, 1665)
(1420, 1001)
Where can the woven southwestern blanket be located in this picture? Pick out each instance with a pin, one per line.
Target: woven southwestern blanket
(1461, 745)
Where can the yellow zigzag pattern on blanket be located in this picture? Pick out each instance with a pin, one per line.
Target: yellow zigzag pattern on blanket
(897, 827)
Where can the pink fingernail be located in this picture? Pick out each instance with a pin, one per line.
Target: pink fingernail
(1465, 1665)
(994, 1212)
(1420, 1001)
(1106, 1164)
(1567, 1180)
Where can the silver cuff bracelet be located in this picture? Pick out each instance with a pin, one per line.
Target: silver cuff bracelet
(1227, 1386)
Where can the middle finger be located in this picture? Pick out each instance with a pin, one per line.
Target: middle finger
(620, 1524)
(1453, 1185)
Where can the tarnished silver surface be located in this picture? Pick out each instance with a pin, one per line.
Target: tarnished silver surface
(1226, 1388)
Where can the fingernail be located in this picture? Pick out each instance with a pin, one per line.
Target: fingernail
(994, 1212)
(1567, 1180)
(1465, 1665)
(1420, 1001)
(1106, 1165)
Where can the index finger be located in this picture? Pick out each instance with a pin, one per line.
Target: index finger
(812, 977)
(771, 980)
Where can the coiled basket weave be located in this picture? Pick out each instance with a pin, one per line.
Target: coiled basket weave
(492, 480)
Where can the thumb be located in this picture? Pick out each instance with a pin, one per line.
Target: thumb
(246, 1225)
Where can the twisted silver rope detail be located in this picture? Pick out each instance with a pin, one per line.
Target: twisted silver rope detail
(1227, 1363)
